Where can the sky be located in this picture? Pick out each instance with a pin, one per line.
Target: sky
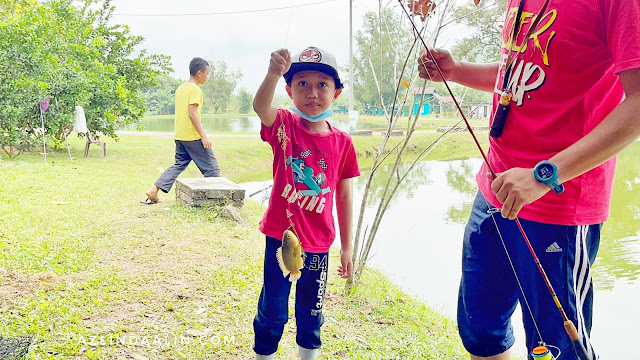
(243, 33)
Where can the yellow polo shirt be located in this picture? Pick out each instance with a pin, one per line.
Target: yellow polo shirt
(186, 94)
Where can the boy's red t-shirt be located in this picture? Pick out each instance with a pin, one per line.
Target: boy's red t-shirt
(565, 83)
(305, 176)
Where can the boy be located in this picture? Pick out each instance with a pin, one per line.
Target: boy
(555, 163)
(192, 143)
(312, 161)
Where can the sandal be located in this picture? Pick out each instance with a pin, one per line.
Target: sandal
(149, 202)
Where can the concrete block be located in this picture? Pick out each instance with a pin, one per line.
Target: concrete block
(196, 192)
(361, 132)
(394, 133)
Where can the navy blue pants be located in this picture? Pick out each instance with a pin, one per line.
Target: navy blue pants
(185, 152)
(489, 291)
(273, 305)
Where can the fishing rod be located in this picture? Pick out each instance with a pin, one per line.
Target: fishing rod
(569, 326)
(261, 190)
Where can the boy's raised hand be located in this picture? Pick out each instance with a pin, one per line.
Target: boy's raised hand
(280, 62)
(262, 102)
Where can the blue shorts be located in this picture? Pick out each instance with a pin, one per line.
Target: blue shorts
(273, 304)
(489, 291)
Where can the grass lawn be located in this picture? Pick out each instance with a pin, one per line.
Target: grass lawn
(95, 275)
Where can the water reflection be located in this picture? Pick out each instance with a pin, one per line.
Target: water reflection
(619, 254)
(418, 243)
(223, 124)
(210, 123)
(461, 178)
(417, 177)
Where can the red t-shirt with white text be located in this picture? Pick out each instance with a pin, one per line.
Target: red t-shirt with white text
(565, 83)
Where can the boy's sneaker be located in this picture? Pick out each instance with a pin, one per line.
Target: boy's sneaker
(307, 354)
(265, 357)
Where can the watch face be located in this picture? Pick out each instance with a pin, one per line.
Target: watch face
(545, 171)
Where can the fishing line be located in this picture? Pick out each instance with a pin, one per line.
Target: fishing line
(221, 12)
(288, 25)
(492, 210)
(570, 328)
(284, 144)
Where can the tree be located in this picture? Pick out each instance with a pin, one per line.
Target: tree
(219, 88)
(484, 43)
(160, 99)
(74, 57)
(379, 48)
(245, 101)
(161, 102)
(397, 172)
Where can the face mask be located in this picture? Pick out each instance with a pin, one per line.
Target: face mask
(326, 114)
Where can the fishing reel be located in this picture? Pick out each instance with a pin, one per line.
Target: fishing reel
(542, 352)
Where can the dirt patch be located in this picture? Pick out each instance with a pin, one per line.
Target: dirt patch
(14, 286)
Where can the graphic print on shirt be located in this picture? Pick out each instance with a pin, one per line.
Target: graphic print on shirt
(305, 174)
(309, 181)
(526, 76)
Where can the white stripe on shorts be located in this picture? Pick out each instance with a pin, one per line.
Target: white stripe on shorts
(582, 281)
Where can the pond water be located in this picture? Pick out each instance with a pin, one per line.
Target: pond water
(419, 243)
(223, 124)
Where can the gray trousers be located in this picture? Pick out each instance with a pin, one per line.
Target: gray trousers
(185, 152)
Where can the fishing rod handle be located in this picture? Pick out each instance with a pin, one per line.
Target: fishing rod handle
(578, 346)
(500, 117)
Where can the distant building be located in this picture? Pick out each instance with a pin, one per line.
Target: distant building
(437, 105)
(446, 107)
(429, 94)
(426, 109)
(341, 109)
(478, 109)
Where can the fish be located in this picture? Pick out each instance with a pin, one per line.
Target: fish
(290, 256)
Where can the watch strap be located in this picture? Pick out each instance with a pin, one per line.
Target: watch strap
(557, 187)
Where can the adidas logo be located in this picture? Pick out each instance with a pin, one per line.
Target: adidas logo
(554, 248)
